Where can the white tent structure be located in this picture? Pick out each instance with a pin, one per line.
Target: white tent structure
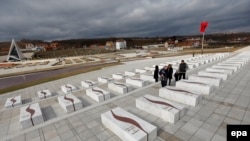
(15, 53)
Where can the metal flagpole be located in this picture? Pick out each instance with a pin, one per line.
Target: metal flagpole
(202, 43)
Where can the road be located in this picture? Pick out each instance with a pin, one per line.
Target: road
(20, 79)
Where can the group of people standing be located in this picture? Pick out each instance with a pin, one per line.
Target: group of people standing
(166, 73)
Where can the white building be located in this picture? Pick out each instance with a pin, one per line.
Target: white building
(120, 44)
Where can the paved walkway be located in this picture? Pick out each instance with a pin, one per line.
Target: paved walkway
(228, 104)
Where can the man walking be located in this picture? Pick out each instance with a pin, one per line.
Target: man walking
(182, 69)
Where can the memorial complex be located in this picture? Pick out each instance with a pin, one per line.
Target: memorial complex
(125, 103)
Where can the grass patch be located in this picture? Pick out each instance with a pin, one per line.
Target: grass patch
(56, 77)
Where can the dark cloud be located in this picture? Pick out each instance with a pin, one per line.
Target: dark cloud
(65, 19)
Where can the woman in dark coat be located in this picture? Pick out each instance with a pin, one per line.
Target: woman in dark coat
(169, 72)
(156, 73)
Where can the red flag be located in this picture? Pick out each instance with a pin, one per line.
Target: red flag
(203, 26)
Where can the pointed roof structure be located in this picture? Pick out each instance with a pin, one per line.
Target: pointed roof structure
(15, 53)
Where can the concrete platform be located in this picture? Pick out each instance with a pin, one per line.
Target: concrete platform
(13, 102)
(167, 110)
(44, 94)
(88, 83)
(136, 82)
(118, 76)
(30, 115)
(69, 103)
(105, 79)
(222, 75)
(180, 95)
(194, 86)
(206, 79)
(226, 71)
(119, 87)
(127, 126)
(98, 94)
(68, 88)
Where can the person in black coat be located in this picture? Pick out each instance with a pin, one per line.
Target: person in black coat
(169, 72)
(163, 76)
(156, 73)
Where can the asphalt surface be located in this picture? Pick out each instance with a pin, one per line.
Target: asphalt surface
(25, 78)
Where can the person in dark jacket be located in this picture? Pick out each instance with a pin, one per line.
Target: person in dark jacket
(163, 76)
(156, 73)
(169, 72)
(176, 75)
(182, 69)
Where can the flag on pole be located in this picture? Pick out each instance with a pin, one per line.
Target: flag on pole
(203, 26)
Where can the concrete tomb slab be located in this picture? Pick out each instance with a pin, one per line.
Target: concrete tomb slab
(98, 94)
(167, 110)
(213, 74)
(136, 82)
(147, 77)
(241, 64)
(226, 71)
(140, 70)
(130, 73)
(228, 64)
(225, 67)
(180, 95)
(205, 61)
(238, 60)
(193, 64)
(68, 88)
(121, 88)
(44, 94)
(173, 63)
(149, 68)
(88, 83)
(127, 126)
(195, 86)
(13, 102)
(160, 66)
(118, 76)
(30, 115)
(206, 79)
(69, 103)
(105, 79)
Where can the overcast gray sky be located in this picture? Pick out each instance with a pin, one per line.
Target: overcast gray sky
(67, 19)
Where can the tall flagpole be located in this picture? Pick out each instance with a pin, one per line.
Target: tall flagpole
(202, 43)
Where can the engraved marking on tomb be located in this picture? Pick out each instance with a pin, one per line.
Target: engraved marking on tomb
(13, 101)
(136, 79)
(89, 82)
(161, 102)
(32, 112)
(217, 72)
(179, 90)
(129, 120)
(209, 77)
(68, 87)
(44, 94)
(71, 100)
(195, 83)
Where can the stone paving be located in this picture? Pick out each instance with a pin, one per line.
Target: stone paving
(228, 104)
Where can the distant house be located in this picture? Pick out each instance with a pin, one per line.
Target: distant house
(120, 44)
(110, 44)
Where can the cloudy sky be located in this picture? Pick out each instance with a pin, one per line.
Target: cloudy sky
(67, 19)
